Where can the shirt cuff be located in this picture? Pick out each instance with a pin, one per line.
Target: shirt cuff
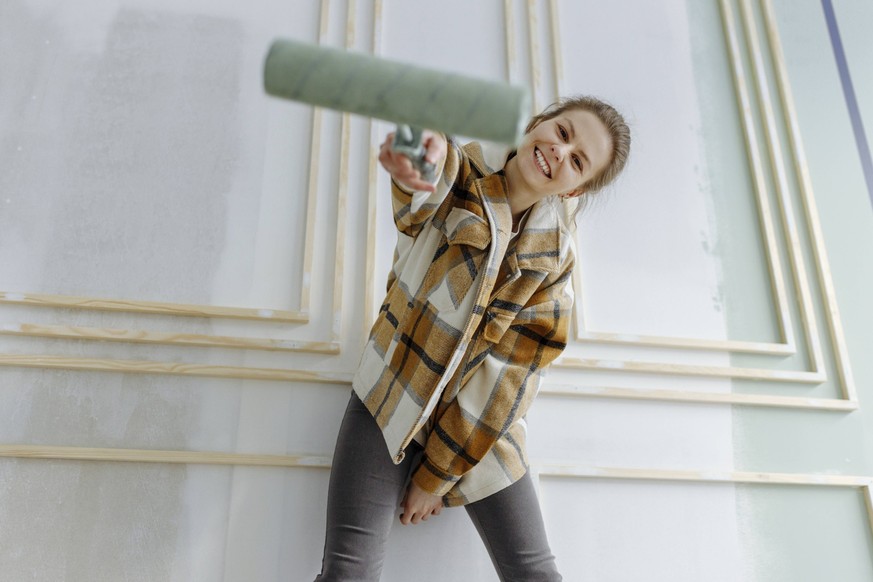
(433, 479)
(401, 187)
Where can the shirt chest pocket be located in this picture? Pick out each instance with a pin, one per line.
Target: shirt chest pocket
(463, 227)
(459, 261)
(510, 298)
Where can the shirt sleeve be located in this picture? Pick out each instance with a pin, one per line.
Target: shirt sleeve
(502, 387)
(412, 209)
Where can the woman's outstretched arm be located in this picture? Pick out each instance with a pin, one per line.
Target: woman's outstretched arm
(415, 200)
(400, 166)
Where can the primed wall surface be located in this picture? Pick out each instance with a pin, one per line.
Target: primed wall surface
(140, 161)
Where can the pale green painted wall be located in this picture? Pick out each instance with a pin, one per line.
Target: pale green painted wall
(809, 534)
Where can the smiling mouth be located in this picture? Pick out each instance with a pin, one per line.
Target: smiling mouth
(541, 162)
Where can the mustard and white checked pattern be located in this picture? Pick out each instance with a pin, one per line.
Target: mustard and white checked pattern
(468, 325)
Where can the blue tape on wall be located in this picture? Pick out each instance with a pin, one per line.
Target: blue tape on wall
(849, 93)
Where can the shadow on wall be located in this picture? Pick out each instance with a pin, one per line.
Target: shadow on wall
(128, 152)
(119, 161)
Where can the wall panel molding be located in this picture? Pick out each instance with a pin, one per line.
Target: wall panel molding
(539, 469)
(343, 378)
(786, 332)
(817, 373)
(271, 315)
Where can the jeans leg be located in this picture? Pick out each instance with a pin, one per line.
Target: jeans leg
(511, 526)
(363, 496)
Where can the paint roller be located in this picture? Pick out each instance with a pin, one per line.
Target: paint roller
(411, 96)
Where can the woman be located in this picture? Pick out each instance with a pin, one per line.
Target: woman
(478, 305)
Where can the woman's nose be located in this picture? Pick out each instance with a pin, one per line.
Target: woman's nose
(560, 150)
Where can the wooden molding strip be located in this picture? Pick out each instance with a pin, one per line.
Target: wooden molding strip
(342, 198)
(557, 58)
(63, 362)
(733, 398)
(534, 52)
(343, 378)
(152, 307)
(576, 470)
(172, 368)
(547, 469)
(557, 469)
(372, 175)
(542, 468)
(687, 343)
(156, 456)
(177, 339)
(511, 57)
(801, 167)
(777, 165)
(572, 363)
(753, 152)
(314, 164)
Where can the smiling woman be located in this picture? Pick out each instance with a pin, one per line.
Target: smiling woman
(589, 132)
(477, 308)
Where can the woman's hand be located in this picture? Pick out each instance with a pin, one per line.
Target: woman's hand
(400, 167)
(418, 505)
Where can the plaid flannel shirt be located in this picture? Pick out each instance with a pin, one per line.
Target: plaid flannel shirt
(469, 324)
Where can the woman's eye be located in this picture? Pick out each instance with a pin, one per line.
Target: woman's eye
(578, 162)
(563, 132)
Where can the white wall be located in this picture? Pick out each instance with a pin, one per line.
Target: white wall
(141, 161)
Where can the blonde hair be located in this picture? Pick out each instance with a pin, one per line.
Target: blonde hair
(615, 125)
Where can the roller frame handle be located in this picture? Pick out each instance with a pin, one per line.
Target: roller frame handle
(407, 141)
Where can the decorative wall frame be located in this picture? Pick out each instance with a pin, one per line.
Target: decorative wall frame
(343, 379)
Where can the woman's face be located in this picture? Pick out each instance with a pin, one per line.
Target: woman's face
(561, 154)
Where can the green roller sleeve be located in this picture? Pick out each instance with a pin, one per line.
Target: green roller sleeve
(397, 92)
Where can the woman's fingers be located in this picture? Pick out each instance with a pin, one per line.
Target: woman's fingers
(418, 506)
(401, 167)
(435, 145)
(402, 170)
(405, 167)
(413, 517)
(418, 184)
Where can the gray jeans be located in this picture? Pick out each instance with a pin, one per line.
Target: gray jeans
(365, 491)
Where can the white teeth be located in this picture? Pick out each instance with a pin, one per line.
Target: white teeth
(542, 162)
